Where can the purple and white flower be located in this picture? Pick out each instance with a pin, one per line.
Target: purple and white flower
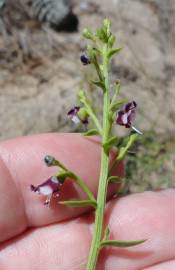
(48, 188)
(126, 116)
(77, 115)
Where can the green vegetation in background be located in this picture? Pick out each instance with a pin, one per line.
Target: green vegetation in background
(150, 164)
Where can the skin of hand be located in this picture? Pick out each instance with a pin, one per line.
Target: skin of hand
(34, 236)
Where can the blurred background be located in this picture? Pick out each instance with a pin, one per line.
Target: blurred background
(40, 73)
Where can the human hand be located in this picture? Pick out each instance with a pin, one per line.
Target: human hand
(33, 236)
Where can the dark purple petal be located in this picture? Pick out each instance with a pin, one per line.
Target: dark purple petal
(119, 119)
(73, 114)
(73, 111)
(76, 117)
(129, 106)
(131, 116)
(126, 115)
(85, 59)
(33, 188)
(50, 186)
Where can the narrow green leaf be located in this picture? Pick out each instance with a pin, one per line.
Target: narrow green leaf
(107, 26)
(102, 35)
(122, 244)
(79, 203)
(115, 179)
(91, 132)
(110, 143)
(98, 83)
(111, 41)
(88, 34)
(123, 150)
(113, 51)
(117, 104)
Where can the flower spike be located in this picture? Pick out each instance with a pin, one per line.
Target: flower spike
(48, 188)
(126, 116)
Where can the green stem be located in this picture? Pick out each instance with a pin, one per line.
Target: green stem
(77, 179)
(83, 186)
(98, 69)
(92, 115)
(117, 91)
(114, 165)
(102, 189)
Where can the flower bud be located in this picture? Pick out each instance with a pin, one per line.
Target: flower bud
(88, 34)
(111, 41)
(85, 59)
(49, 160)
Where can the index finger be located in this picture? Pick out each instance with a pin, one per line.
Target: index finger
(21, 165)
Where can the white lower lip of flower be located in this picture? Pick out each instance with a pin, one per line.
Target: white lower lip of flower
(125, 119)
(75, 119)
(45, 190)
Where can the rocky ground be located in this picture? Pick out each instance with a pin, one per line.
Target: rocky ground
(40, 72)
(37, 91)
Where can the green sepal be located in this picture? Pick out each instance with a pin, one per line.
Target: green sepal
(101, 34)
(111, 41)
(107, 26)
(123, 150)
(98, 83)
(113, 51)
(122, 244)
(82, 114)
(117, 88)
(80, 203)
(88, 34)
(93, 52)
(62, 175)
(115, 179)
(91, 132)
(116, 105)
(110, 143)
(82, 96)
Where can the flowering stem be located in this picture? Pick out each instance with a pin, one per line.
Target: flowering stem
(98, 69)
(99, 54)
(101, 197)
(90, 112)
